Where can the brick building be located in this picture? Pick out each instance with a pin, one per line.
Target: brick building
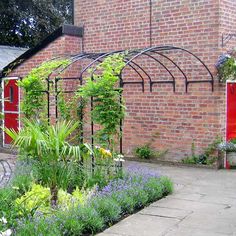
(166, 119)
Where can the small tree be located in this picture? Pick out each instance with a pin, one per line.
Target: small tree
(51, 151)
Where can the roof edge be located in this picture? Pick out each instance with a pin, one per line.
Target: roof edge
(62, 30)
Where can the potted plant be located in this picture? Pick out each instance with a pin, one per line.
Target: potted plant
(230, 148)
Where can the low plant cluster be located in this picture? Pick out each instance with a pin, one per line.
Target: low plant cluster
(26, 209)
(228, 146)
(208, 157)
(147, 152)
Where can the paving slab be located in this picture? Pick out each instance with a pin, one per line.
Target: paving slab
(203, 204)
(133, 225)
(7, 163)
(165, 212)
(183, 231)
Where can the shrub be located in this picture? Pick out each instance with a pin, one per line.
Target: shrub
(154, 189)
(38, 198)
(38, 226)
(90, 218)
(24, 176)
(144, 152)
(139, 196)
(49, 148)
(7, 207)
(125, 201)
(69, 224)
(167, 184)
(73, 222)
(107, 208)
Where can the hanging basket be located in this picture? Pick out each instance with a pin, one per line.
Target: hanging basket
(231, 158)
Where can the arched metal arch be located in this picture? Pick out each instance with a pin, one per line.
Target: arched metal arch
(129, 59)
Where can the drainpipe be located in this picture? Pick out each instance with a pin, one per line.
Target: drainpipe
(150, 23)
(73, 11)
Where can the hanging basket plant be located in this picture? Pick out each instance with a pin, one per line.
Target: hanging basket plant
(226, 66)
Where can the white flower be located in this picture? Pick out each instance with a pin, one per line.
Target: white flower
(119, 159)
(6, 233)
(3, 220)
(120, 156)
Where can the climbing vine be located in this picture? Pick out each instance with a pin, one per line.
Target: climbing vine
(33, 104)
(108, 107)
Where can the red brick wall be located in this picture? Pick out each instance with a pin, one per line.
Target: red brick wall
(62, 46)
(166, 119)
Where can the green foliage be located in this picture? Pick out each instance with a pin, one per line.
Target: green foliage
(167, 185)
(101, 176)
(38, 198)
(144, 152)
(107, 208)
(34, 104)
(108, 107)
(69, 224)
(77, 216)
(26, 23)
(208, 157)
(140, 197)
(38, 227)
(126, 202)
(90, 219)
(233, 140)
(154, 189)
(212, 147)
(51, 151)
(157, 188)
(22, 183)
(7, 207)
(228, 70)
(105, 168)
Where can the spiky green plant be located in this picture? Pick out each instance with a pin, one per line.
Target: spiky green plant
(49, 146)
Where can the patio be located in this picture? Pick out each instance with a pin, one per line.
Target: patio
(204, 203)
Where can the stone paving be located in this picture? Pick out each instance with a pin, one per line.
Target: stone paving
(203, 204)
(7, 162)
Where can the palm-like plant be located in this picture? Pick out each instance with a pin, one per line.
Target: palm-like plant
(50, 148)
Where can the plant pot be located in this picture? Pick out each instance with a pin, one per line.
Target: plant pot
(231, 158)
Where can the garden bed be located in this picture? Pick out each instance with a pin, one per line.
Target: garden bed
(25, 204)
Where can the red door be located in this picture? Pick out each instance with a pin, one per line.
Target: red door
(10, 106)
(231, 111)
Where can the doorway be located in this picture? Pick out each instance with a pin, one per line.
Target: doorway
(10, 106)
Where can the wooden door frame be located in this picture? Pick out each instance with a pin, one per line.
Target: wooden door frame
(3, 106)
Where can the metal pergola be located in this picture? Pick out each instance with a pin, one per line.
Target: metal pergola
(130, 59)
